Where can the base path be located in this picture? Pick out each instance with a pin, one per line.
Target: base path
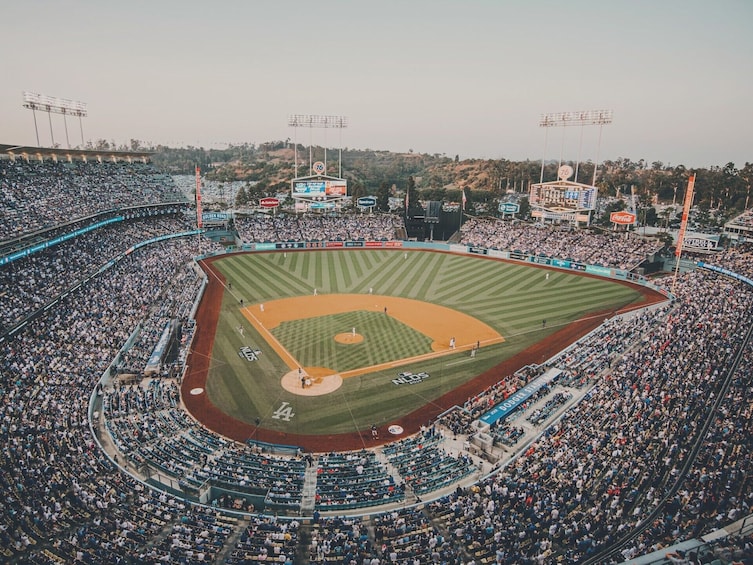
(439, 323)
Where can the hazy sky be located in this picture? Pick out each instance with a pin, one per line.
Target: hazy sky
(468, 78)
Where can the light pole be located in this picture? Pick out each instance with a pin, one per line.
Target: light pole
(315, 121)
(581, 118)
(52, 105)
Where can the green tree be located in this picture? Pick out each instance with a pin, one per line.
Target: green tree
(357, 190)
(525, 208)
(383, 197)
(241, 199)
(412, 193)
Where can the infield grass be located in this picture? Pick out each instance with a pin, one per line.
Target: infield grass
(511, 298)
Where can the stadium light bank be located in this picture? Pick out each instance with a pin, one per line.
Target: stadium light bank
(581, 118)
(51, 104)
(312, 121)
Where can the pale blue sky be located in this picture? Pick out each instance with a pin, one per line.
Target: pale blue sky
(468, 78)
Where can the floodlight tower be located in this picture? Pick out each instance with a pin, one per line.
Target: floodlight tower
(314, 121)
(583, 118)
(51, 104)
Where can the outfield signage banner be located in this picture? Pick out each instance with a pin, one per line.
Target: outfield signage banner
(508, 208)
(597, 270)
(478, 250)
(374, 244)
(499, 254)
(507, 406)
(699, 243)
(335, 244)
(726, 272)
(560, 263)
(290, 245)
(214, 217)
(393, 243)
(538, 259)
(354, 244)
(367, 202)
(269, 202)
(47, 244)
(266, 246)
(622, 218)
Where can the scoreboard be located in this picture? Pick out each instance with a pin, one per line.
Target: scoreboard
(320, 188)
(561, 199)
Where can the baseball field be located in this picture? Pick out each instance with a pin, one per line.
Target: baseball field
(313, 347)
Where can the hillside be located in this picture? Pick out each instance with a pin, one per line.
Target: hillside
(439, 177)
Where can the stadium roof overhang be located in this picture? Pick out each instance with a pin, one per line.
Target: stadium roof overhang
(58, 154)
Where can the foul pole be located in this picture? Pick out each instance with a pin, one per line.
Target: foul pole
(689, 193)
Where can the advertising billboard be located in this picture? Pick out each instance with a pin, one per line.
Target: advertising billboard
(319, 188)
(622, 218)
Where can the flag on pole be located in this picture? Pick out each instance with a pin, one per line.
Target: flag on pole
(464, 199)
(198, 198)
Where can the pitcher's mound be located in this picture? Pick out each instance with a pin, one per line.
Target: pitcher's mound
(311, 381)
(348, 338)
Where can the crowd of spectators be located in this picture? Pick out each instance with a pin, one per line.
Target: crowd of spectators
(613, 458)
(318, 227)
(627, 448)
(354, 480)
(619, 250)
(30, 283)
(36, 195)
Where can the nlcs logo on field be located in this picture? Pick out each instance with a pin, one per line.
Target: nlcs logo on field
(409, 378)
(248, 353)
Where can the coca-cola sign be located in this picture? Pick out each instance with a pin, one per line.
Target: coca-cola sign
(622, 218)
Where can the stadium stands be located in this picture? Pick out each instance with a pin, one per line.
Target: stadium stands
(659, 443)
(317, 227)
(624, 251)
(38, 195)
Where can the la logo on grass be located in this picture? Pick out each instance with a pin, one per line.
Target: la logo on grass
(284, 412)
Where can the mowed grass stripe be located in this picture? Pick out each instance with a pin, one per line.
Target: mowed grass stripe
(388, 276)
(412, 272)
(471, 285)
(263, 282)
(428, 278)
(353, 271)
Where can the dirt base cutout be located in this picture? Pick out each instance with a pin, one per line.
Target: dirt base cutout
(311, 381)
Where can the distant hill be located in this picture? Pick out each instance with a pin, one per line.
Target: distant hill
(439, 177)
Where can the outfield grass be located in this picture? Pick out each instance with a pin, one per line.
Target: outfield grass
(511, 298)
